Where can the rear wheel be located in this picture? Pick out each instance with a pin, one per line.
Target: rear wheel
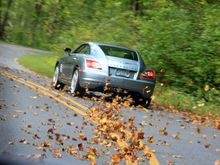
(55, 81)
(75, 87)
(147, 102)
(139, 100)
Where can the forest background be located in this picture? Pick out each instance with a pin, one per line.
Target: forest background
(180, 39)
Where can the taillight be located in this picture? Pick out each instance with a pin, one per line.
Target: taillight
(148, 74)
(93, 64)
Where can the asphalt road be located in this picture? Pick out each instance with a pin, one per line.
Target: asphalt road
(40, 126)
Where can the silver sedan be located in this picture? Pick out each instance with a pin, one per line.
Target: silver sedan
(94, 65)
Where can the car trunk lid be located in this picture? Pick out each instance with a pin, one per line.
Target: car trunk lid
(122, 67)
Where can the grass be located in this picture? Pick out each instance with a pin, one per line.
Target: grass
(167, 97)
(173, 98)
(42, 64)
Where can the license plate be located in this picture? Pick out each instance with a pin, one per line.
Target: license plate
(122, 73)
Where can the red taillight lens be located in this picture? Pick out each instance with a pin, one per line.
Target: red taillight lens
(148, 74)
(93, 64)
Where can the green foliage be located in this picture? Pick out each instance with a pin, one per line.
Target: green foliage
(185, 43)
(179, 39)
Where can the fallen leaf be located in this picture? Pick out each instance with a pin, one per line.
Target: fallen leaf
(80, 146)
(30, 107)
(207, 145)
(163, 131)
(132, 118)
(50, 130)
(204, 137)
(170, 163)
(57, 153)
(217, 162)
(70, 148)
(82, 137)
(10, 142)
(92, 159)
(50, 122)
(91, 155)
(116, 159)
(14, 104)
(46, 144)
(54, 113)
(150, 139)
(73, 152)
(23, 141)
(35, 113)
(38, 156)
(198, 129)
(18, 111)
(140, 135)
(218, 125)
(36, 136)
(176, 136)
(70, 123)
(126, 103)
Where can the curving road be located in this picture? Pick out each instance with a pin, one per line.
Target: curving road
(30, 110)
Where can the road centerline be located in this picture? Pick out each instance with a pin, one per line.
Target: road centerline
(152, 158)
(48, 90)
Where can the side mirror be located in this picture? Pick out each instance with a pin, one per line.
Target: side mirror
(68, 50)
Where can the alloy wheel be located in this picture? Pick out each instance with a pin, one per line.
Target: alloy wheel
(55, 76)
(74, 82)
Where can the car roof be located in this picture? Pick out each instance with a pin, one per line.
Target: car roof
(105, 44)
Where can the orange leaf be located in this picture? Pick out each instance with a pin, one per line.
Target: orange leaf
(116, 158)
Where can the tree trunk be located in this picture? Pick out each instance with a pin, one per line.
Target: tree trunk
(0, 12)
(5, 18)
(136, 6)
(52, 25)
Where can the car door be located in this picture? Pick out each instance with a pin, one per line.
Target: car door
(72, 60)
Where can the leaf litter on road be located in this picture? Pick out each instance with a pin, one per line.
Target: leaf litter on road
(125, 129)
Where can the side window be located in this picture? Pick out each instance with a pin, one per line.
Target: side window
(85, 50)
(78, 50)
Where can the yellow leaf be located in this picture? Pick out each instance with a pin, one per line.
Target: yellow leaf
(176, 136)
(206, 88)
(92, 159)
(18, 111)
(151, 139)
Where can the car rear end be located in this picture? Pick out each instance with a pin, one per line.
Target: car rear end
(119, 67)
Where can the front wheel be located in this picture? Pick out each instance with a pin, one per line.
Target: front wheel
(75, 87)
(55, 81)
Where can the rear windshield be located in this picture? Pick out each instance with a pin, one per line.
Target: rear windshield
(119, 52)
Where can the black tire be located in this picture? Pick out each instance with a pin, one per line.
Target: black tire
(55, 81)
(147, 102)
(75, 88)
(139, 100)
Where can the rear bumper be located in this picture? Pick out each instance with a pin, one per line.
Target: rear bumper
(99, 79)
